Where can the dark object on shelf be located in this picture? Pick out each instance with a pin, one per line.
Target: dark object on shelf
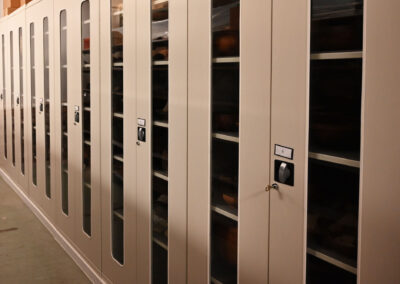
(226, 245)
(226, 43)
(334, 131)
(226, 122)
(336, 27)
(230, 198)
(160, 53)
(86, 43)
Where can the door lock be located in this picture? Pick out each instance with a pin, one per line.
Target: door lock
(76, 115)
(41, 105)
(273, 186)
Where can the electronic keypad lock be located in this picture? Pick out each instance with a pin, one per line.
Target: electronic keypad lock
(284, 172)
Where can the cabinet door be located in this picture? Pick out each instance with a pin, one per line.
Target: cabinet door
(118, 136)
(162, 174)
(39, 26)
(314, 222)
(2, 94)
(86, 138)
(229, 112)
(379, 253)
(21, 102)
(17, 86)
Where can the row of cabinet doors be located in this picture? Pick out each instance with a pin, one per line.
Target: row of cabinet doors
(121, 120)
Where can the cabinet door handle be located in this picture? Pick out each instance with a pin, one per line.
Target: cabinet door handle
(41, 105)
(76, 115)
(17, 100)
(273, 186)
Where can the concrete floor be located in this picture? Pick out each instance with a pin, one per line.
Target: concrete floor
(28, 252)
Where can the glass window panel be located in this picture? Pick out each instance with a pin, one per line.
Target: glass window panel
(117, 122)
(225, 140)
(33, 101)
(46, 70)
(12, 97)
(334, 141)
(160, 101)
(4, 97)
(21, 100)
(64, 110)
(86, 134)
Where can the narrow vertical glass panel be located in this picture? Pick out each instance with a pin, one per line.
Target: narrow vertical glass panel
(21, 99)
(86, 134)
(117, 135)
(334, 141)
(4, 97)
(64, 111)
(160, 82)
(225, 140)
(33, 100)
(46, 70)
(12, 97)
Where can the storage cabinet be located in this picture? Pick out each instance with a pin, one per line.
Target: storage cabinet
(228, 153)
(162, 158)
(118, 136)
(14, 76)
(214, 141)
(40, 82)
(77, 92)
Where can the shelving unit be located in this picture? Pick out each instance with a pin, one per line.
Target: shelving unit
(160, 134)
(225, 140)
(117, 135)
(86, 118)
(334, 144)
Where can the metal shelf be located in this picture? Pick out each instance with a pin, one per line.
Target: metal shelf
(225, 211)
(334, 159)
(226, 59)
(161, 124)
(160, 240)
(337, 55)
(119, 115)
(118, 158)
(160, 62)
(117, 13)
(118, 64)
(119, 213)
(227, 136)
(160, 175)
(332, 260)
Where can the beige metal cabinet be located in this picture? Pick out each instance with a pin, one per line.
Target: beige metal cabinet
(324, 228)
(229, 136)
(162, 158)
(18, 100)
(118, 136)
(77, 108)
(40, 122)
(2, 72)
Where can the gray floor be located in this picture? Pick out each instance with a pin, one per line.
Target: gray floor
(28, 252)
